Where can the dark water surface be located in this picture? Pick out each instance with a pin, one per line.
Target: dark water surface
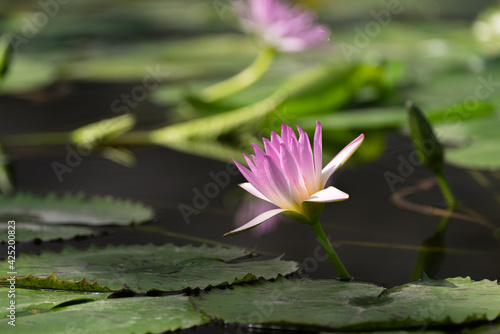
(377, 240)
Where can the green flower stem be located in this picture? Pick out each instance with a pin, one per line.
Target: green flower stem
(445, 189)
(432, 251)
(241, 80)
(332, 255)
(443, 224)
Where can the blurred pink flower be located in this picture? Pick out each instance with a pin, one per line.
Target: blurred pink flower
(288, 175)
(280, 26)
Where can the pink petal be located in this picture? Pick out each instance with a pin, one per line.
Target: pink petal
(256, 221)
(252, 190)
(258, 179)
(291, 170)
(278, 182)
(259, 152)
(340, 159)
(306, 161)
(318, 155)
(271, 149)
(246, 173)
(249, 163)
(287, 134)
(330, 194)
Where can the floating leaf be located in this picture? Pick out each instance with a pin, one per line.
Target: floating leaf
(31, 231)
(64, 312)
(142, 268)
(74, 209)
(351, 305)
(29, 302)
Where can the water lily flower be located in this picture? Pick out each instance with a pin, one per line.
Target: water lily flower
(279, 25)
(289, 174)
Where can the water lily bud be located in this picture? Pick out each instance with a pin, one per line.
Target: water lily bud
(429, 149)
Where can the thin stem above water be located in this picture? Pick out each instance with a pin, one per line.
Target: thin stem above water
(332, 255)
(242, 80)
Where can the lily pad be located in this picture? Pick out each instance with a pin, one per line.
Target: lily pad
(52, 209)
(30, 231)
(64, 312)
(142, 268)
(331, 304)
(29, 302)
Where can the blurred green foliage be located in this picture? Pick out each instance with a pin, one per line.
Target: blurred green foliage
(440, 55)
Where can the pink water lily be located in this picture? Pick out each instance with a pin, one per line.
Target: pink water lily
(281, 26)
(289, 174)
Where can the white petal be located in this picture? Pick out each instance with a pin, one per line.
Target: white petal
(340, 159)
(256, 221)
(330, 194)
(252, 190)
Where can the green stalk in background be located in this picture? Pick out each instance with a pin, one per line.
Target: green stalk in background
(242, 80)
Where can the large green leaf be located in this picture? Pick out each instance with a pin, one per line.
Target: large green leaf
(351, 305)
(142, 268)
(31, 231)
(74, 209)
(64, 312)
